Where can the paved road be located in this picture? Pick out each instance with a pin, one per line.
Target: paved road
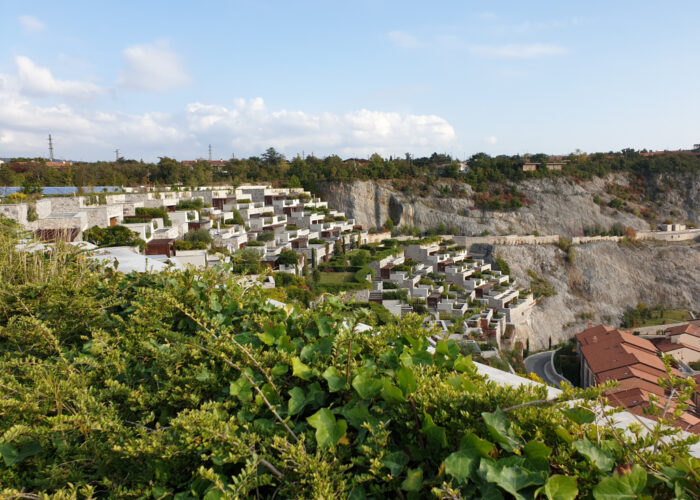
(540, 364)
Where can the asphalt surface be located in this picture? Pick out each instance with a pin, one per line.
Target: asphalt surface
(540, 364)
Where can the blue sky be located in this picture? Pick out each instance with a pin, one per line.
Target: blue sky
(168, 78)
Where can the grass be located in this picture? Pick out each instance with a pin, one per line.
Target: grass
(337, 278)
(671, 316)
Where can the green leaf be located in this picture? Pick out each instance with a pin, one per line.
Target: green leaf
(511, 477)
(413, 481)
(12, 455)
(465, 365)
(241, 388)
(473, 442)
(434, 433)
(559, 487)
(537, 450)
(203, 376)
(324, 324)
(297, 401)
(358, 415)
(579, 415)
(335, 381)
(406, 380)
(279, 369)
(301, 370)
(462, 464)
(600, 458)
(499, 428)
(395, 462)
(366, 385)
(391, 393)
(328, 431)
(618, 487)
(271, 334)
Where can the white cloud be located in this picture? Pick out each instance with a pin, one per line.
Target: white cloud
(154, 67)
(492, 139)
(247, 127)
(31, 24)
(517, 51)
(404, 40)
(38, 81)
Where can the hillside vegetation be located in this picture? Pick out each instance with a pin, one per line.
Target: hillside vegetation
(190, 384)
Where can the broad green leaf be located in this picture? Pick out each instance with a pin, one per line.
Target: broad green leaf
(600, 458)
(579, 415)
(358, 415)
(499, 427)
(511, 478)
(465, 365)
(366, 385)
(537, 449)
(563, 434)
(620, 487)
(462, 464)
(328, 431)
(241, 388)
(560, 487)
(391, 393)
(12, 455)
(297, 401)
(395, 462)
(434, 434)
(406, 380)
(334, 379)
(301, 370)
(473, 442)
(324, 324)
(271, 334)
(413, 481)
(280, 369)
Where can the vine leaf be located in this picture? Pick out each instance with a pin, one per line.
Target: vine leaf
(579, 415)
(413, 481)
(395, 462)
(335, 381)
(511, 475)
(618, 487)
(328, 430)
(600, 458)
(366, 385)
(462, 464)
(406, 380)
(299, 369)
(434, 433)
(12, 455)
(500, 430)
(559, 487)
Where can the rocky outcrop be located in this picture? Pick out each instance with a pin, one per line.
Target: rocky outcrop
(604, 280)
(554, 206)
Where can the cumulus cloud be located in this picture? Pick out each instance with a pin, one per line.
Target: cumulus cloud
(404, 40)
(31, 24)
(246, 127)
(38, 81)
(154, 67)
(249, 126)
(517, 51)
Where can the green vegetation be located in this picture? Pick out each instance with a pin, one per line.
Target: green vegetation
(566, 362)
(201, 235)
(502, 265)
(190, 245)
(643, 315)
(113, 236)
(191, 204)
(161, 213)
(266, 236)
(187, 384)
(288, 258)
(539, 286)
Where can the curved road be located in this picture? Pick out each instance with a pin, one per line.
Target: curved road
(540, 364)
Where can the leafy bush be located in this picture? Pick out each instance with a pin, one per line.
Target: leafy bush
(190, 383)
(201, 235)
(113, 236)
(161, 213)
(288, 258)
(190, 245)
(539, 285)
(266, 236)
(192, 204)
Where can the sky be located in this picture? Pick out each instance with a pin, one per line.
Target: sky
(161, 78)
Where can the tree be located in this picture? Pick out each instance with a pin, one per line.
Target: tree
(113, 236)
(389, 224)
(288, 258)
(201, 235)
(272, 157)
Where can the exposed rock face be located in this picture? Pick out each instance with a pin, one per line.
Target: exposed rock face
(604, 280)
(556, 206)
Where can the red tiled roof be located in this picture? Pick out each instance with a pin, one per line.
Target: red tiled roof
(690, 328)
(666, 345)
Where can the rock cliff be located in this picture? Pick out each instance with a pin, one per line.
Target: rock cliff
(554, 205)
(604, 279)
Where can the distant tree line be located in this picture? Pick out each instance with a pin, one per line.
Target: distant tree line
(273, 167)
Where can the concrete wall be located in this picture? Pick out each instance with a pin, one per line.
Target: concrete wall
(17, 211)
